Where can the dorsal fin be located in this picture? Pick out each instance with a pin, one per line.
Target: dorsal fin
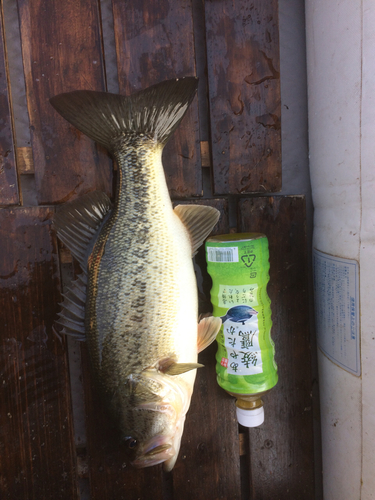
(199, 220)
(77, 223)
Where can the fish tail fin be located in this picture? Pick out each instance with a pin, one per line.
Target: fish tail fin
(104, 117)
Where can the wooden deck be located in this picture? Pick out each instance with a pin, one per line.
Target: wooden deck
(226, 153)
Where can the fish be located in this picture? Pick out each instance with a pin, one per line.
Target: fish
(239, 314)
(135, 302)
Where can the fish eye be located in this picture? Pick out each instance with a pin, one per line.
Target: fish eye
(132, 443)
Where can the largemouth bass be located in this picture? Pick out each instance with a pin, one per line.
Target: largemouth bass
(136, 301)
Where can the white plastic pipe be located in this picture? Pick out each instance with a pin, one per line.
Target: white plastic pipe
(341, 101)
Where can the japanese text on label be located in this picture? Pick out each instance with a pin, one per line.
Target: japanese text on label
(337, 309)
(231, 295)
(242, 344)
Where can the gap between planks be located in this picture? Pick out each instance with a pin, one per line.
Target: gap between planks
(25, 161)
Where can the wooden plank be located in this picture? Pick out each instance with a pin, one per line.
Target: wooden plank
(36, 430)
(62, 51)
(282, 449)
(111, 475)
(9, 194)
(244, 95)
(209, 461)
(155, 42)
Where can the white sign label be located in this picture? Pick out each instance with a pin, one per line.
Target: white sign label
(337, 309)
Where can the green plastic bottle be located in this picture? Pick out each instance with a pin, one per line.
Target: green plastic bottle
(239, 267)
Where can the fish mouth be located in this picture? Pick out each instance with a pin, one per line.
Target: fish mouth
(154, 456)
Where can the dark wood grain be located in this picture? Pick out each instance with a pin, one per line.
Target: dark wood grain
(282, 449)
(244, 95)
(36, 431)
(110, 472)
(209, 462)
(8, 174)
(62, 52)
(155, 42)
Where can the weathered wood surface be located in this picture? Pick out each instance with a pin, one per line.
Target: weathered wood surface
(244, 95)
(37, 455)
(209, 460)
(62, 52)
(110, 473)
(9, 194)
(155, 42)
(282, 449)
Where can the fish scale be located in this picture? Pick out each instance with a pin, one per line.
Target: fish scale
(115, 349)
(141, 302)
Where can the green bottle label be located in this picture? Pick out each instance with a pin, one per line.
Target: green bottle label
(239, 267)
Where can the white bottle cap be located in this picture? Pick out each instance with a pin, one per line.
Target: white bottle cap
(250, 418)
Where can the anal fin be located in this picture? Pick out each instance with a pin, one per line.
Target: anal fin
(72, 315)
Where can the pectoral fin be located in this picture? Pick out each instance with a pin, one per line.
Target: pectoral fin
(208, 329)
(143, 389)
(170, 367)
